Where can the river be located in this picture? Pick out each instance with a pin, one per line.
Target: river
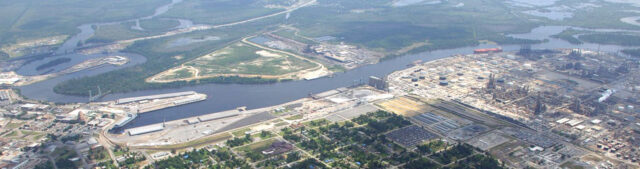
(229, 96)
(87, 30)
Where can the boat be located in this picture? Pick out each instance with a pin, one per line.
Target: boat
(487, 50)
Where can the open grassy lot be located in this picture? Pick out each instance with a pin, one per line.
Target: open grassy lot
(240, 59)
(12, 134)
(193, 144)
(254, 150)
(404, 106)
(22, 20)
(178, 74)
(241, 132)
(34, 135)
(14, 125)
(295, 117)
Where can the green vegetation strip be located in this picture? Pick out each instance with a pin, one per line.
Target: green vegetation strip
(190, 144)
(632, 52)
(612, 39)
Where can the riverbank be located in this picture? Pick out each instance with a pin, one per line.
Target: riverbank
(347, 102)
(230, 96)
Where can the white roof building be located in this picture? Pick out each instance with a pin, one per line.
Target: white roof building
(220, 115)
(145, 129)
(192, 121)
(9, 80)
(151, 97)
(574, 122)
(563, 120)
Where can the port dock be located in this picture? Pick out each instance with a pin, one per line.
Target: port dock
(143, 104)
(151, 97)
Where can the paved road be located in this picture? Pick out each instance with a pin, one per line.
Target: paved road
(206, 27)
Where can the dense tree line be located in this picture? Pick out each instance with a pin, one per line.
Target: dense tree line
(3, 55)
(239, 141)
(632, 52)
(478, 161)
(612, 39)
(216, 159)
(53, 63)
(454, 153)
(46, 165)
(97, 153)
(569, 35)
(279, 160)
(308, 163)
(158, 59)
(431, 147)
(421, 163)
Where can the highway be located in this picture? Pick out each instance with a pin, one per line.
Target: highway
(207, 27)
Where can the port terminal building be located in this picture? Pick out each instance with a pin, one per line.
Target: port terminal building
(159, 96)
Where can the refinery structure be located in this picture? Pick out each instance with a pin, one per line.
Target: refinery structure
(528, 108)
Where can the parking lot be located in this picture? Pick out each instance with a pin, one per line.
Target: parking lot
(410, 136)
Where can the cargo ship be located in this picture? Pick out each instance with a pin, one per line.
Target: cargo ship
(487, 50)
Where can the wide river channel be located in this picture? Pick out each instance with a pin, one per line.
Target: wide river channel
(229, 96)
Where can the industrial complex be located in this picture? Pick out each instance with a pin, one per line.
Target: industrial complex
(529, 108)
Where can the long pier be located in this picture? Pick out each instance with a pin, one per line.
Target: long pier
(158, 105)
(151, 97)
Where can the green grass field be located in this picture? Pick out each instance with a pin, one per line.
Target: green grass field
(241, 132)
(295, 117)
(14, 125)
(178, 74)
(242, 58)
(257, 146)
(11, 134)
(193, 144)
(254, 150)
